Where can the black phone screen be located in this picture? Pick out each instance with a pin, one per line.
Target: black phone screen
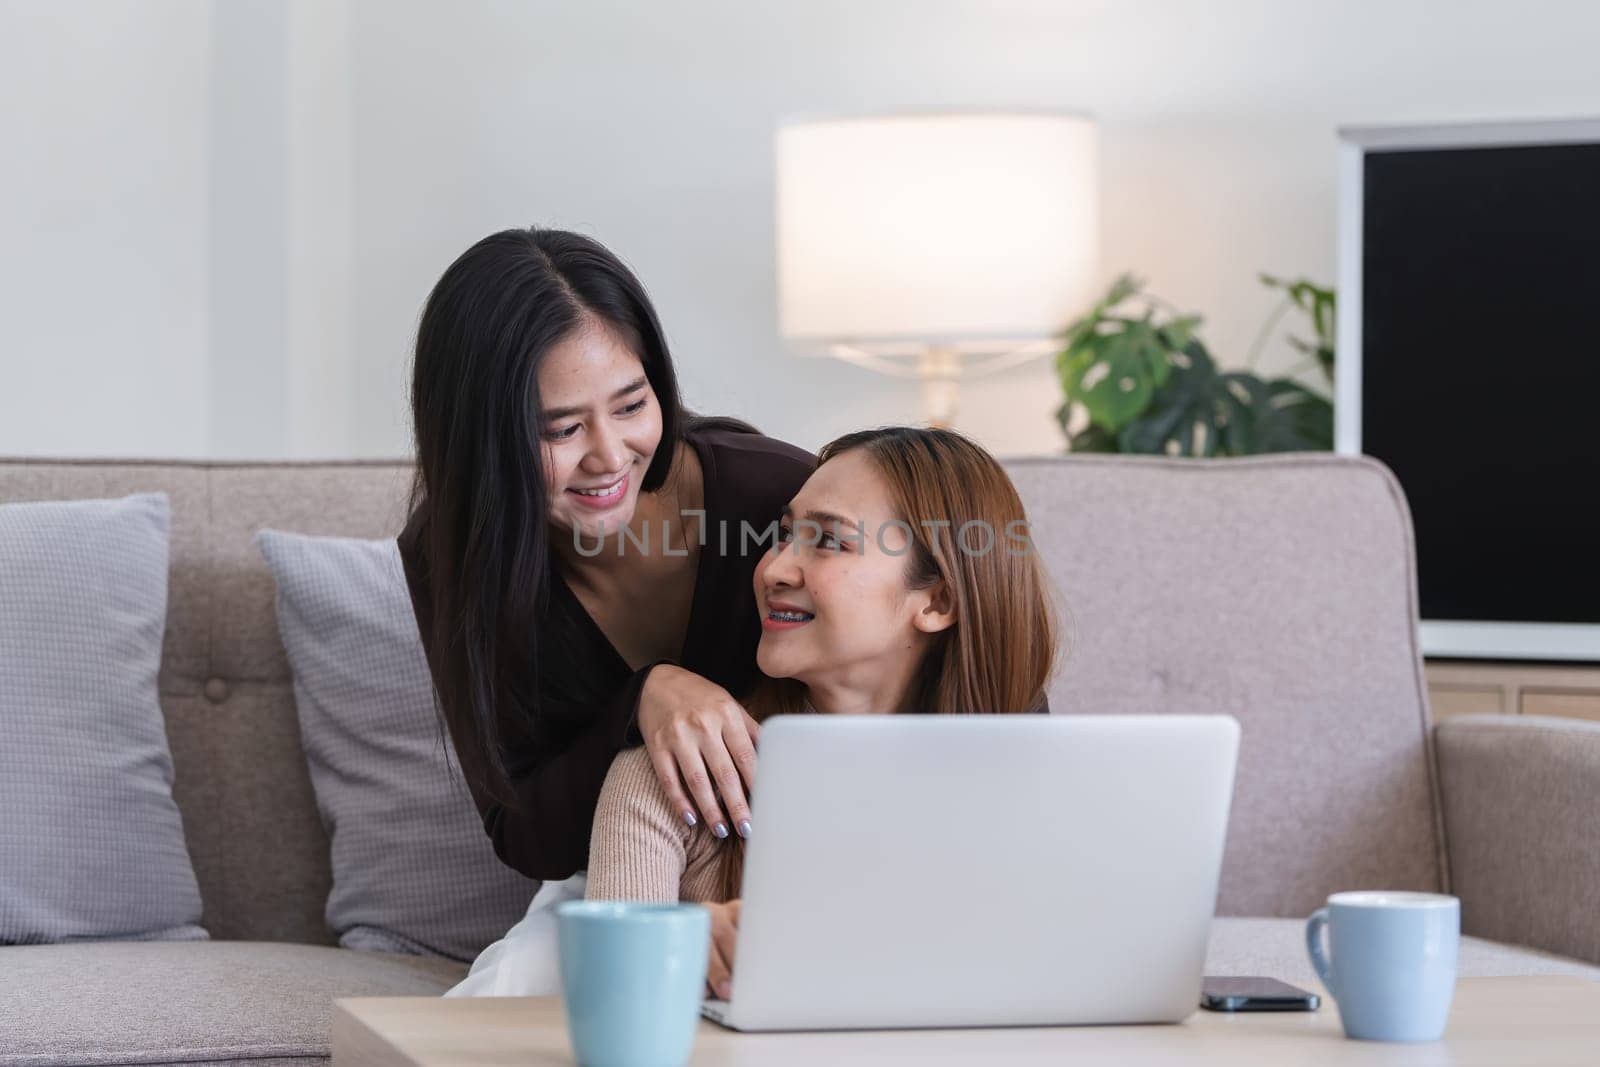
(1255, 994)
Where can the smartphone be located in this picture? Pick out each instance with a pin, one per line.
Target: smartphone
(1255, 994)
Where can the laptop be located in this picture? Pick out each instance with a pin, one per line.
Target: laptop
(980, 870)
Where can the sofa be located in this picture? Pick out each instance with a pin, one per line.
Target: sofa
(1280, 590)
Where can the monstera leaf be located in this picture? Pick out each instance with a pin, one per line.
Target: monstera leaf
(1295, 420)
(1203, 412)
(1113, 364)
(1091, 438)
(1115, 374)
(1193, 414)
(1151, 386)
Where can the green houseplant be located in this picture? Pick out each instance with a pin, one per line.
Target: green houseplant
(1137, 378)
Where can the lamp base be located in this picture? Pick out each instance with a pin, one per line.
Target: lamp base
(939, 367)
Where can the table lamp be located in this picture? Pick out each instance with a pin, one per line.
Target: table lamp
(935, 247)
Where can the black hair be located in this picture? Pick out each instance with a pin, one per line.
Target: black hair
(480, 485)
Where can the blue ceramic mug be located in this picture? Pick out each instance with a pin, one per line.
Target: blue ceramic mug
(633, 977)
(1391, 962)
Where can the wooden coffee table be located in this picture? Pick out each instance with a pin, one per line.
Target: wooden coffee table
(1494, 1021)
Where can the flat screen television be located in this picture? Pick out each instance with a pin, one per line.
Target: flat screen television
(1469, 363)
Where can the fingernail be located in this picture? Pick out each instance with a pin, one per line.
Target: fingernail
(725, 991)
(744, 828)
(689, 818)
(720, 830)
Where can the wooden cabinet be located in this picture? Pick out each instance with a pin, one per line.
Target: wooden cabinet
(1458, 687)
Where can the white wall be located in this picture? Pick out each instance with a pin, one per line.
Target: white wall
(248, 228)
(319, 360)
(103, 228)
(651, 125)
(415, 128)
(174, 229)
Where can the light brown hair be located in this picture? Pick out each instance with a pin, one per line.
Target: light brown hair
(956, 499)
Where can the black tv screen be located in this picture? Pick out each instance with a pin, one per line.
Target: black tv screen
(1480, 371)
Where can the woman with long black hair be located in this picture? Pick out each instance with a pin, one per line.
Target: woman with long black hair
(580, 547)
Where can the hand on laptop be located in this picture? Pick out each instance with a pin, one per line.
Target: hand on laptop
(724, 931)
(698, 735)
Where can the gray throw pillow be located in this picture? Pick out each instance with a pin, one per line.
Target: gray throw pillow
(413, 870)
(91, 842)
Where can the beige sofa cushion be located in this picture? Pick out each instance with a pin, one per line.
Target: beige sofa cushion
(1522, 810)
(188, 1002)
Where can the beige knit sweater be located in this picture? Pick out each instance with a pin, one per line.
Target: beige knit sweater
(641, 849)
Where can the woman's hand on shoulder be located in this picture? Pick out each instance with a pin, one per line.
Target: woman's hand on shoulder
(702, 743)
(724, 934)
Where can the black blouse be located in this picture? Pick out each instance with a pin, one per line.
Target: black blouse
(583, 679)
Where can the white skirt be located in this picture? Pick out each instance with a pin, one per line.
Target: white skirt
(525, 962)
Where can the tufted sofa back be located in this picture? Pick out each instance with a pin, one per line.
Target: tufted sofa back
(259, 850)
(1279, 590)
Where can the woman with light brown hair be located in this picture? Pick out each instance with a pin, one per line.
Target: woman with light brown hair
(903, 581)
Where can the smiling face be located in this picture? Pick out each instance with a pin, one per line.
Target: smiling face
(837, 612)
(602, 426)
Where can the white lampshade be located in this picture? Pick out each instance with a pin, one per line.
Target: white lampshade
(937, 230)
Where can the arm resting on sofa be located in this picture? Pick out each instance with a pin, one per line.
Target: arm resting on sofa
(1521, 800)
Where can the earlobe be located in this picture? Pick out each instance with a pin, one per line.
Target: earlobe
(937, 614)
